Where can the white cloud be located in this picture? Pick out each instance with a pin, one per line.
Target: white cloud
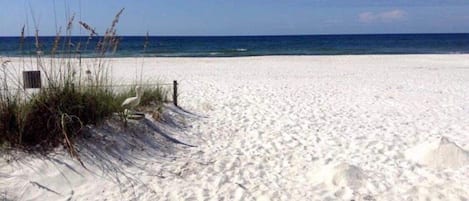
(392, 15)
(386, 16)
(367, 17)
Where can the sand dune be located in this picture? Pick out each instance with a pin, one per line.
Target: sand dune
(443, 154)
(277, 128)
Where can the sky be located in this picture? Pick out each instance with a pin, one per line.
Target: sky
(237, 17)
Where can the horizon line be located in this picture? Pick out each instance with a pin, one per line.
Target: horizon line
(256, 35)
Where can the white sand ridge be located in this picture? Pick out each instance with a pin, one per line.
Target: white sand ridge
(440, 155)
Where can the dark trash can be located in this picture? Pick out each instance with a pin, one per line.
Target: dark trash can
(31, 79)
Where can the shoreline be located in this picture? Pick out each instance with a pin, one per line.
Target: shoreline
(247, 56)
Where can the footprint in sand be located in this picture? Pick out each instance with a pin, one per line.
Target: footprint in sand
(344, 179)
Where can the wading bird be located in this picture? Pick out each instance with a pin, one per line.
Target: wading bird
(132, 102)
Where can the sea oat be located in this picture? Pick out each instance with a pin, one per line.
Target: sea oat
(145, 45)
(88, 28)
(56, 42)
(22, 38)
(70, 23)
(116, 19)
(36, 37)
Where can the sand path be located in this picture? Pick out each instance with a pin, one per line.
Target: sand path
(322, 127)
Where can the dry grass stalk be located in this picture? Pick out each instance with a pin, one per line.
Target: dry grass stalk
(147, 40)
(56, 42)
(116, 19)
(88, 28)
(70, 23)
(22, 38)
(71, 148)
(36, 41)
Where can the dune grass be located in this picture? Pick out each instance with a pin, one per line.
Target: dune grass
(74, 94)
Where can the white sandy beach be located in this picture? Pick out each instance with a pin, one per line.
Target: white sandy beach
(380, 127)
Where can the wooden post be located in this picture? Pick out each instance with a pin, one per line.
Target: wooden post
(175, 93)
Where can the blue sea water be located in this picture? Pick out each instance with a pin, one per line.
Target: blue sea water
(234, 46)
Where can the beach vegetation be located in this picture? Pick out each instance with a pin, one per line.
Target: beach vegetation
(74, 93)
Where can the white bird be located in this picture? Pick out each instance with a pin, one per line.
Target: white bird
(132, 102)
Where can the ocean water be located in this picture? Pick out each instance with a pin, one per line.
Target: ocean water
(235, 46)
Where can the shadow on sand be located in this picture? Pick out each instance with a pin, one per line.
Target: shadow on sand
(110, 145)
(121, 155)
